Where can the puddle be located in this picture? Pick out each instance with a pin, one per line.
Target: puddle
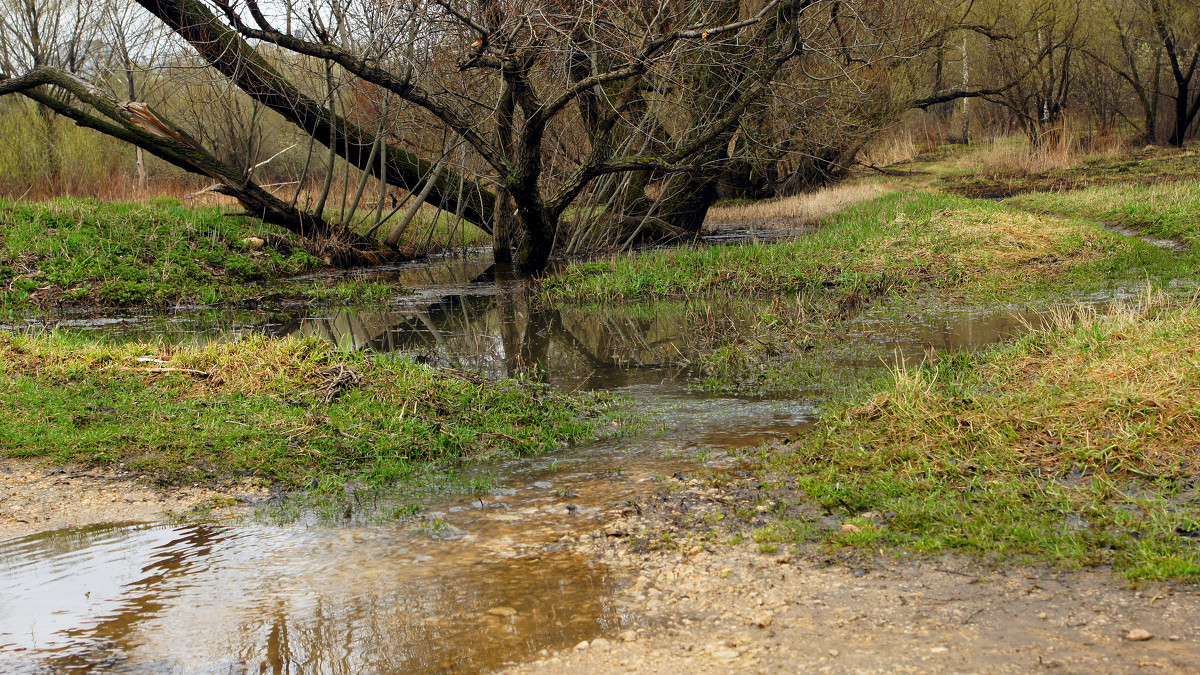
(208, 598)
(1169, 244)
(469, 584)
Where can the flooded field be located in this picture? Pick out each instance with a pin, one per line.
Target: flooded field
(461, 582)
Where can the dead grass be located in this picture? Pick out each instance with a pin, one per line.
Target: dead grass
(898, 146)
(1115, 392)
(1078, 443)
(805, 209)
(1006, 157)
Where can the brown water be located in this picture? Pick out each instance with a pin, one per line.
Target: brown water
(472, 582)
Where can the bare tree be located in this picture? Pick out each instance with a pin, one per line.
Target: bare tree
(550, 123)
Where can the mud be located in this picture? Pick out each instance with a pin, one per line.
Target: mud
(36, 496)
(565, 549)
(696, 605)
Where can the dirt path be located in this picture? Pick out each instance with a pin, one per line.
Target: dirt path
(37, 497)
(705, 607)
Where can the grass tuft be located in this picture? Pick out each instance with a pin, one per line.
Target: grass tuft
(1078, 443)
(81, 251)
(293, 411)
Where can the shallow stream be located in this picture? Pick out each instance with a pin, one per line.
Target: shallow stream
(469, 583)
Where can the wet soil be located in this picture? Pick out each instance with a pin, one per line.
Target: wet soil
(564, 549)
(734, 610)
(697, 605)
(36, 496)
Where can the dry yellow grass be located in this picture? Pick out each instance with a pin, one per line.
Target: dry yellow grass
(1115, 392)
(1016, 157)
(899, 146)
(800, 210)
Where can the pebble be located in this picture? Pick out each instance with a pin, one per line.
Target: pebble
(599, 643)
(502, 611)
(628, 636)
(1139, 635)
(582, 645)
(617, 528)
(725, 654)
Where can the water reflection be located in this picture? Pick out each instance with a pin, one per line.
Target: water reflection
(208, 598)
(460, 314)
(483, 588)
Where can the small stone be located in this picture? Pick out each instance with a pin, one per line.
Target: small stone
(600, 643)
(254, 243)
(1043, 616)
(1139, 635)
(848, 528)
(502, 611)
(725, 654)
(939, 650)
(761, 621)
(834, 653)
(582, 645)
(617, 528)
(628, 636)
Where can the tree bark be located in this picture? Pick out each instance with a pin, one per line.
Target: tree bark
(229, 54)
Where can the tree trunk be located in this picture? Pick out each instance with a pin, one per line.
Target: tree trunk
(229, 54)
(539, 226)
(502, 229)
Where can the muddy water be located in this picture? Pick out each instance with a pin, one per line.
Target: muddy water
(472, 581)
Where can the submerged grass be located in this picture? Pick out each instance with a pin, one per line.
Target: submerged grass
(293, 411)
(894, 243)
(1165, 210)
(1079, 443)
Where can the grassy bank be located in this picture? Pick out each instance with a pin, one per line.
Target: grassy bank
(1076, 444)
(1164, 210)
(291, 411)
(893, 243)
(81, 251)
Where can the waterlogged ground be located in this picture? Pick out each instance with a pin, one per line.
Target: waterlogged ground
(434, 581)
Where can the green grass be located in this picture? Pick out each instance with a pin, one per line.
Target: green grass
(292, 411)
(896, 243)
(1164, 210)
(1075, 444)
(81, 251)
(352, 291)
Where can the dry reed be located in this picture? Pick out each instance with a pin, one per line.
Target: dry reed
(800, 210)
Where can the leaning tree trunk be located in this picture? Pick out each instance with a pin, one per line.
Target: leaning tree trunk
(233, 57)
